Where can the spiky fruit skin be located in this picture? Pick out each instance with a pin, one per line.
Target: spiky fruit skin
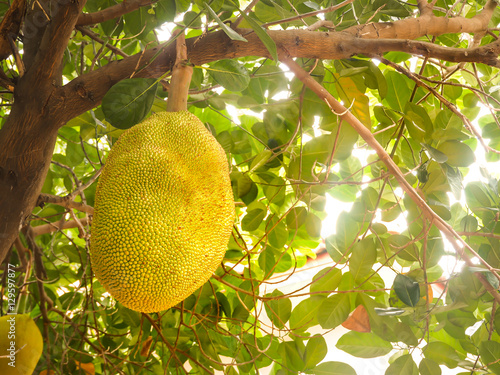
(164, 212)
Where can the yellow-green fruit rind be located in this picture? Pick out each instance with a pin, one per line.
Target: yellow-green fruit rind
(164, 212)
(27, 349)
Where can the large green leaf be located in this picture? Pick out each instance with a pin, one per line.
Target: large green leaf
(304, 314)
(129, 101)
(403, 365)
(363, 256)
(458, 153)
(490, 353)
(363, 345)
(442, 354)
(398, 92)
(253, 219)
(230, 74)
(406, 289)
(334, 311)
(326, 280)
(279, 309)
(315, 352)
(429, 367)
(332, 368)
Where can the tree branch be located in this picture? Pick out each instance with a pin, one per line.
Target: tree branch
(114, 11)
(427, 24)
(64, 202)
(366, 134)
(181, 77)
(53, 227)
(86, 92)
(94, 36)
(10, 26)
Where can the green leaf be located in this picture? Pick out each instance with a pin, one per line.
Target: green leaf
(230, 74)
(403, 365)
(139, 22)
(334, 311)
(406, 289)
(244, 185)
(332, 368)
(278, 310)
(316, 351)
(278, 236)
(455, 179)
(290, 355)
(313, 225)
(398, 92)
(165, 10)
(229, 32)
(129, 101)
(130, 317)
(253, 219)
(442, 354)
(363, 345)
(418, 121)
(296, 217)
(492, 279)
(304, 314)
(458, 153)
(74, 153)
(363, 256)
(435, 153)
(260, 160)
(326, 280)
(338, 244)
(429, 367)
(263, 36)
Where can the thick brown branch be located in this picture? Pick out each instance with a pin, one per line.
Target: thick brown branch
(10, 26)
(47, 63)
(28, 136)
(427, 24)
(85, 92)
(114, 11)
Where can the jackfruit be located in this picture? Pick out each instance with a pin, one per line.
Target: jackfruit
(22, 344)
(163, 212)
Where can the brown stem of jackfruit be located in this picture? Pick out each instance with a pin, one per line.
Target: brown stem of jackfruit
(181, 78)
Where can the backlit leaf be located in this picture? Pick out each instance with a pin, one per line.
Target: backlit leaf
(363, 345)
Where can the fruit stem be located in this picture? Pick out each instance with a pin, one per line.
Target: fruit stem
(181, 77)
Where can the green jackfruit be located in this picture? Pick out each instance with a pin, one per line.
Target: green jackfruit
(164, 212)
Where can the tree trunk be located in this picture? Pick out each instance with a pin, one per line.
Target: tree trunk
(27, 142)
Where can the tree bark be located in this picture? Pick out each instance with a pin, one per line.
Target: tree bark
(28, 137)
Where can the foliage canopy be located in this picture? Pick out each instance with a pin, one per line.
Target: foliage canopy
(420, 85)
